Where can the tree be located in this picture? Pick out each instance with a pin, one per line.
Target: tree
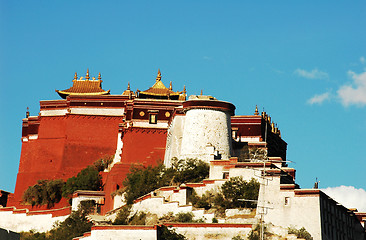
(122, 217)
(165, 233)
(74, 225)
(142, 180)
(190, 170)
(44, 192)
(87, 179)
(236, 189)
(300, 233)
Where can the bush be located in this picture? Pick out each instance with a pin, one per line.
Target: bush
(184, 217)
(103, 163)
(75, 225)
(300, 233)
(165, 233)
(122, 217)
(138, 219)
(31, 235)
(44, 192)
(142, 180)
(238, 237)
(236, 188)
(201, 202)
(87, 179)
(190, 170)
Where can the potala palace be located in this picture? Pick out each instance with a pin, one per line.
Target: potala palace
(145, 128)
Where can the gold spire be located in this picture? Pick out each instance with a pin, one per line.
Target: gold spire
(201, 92)
(170, 86)
(128, 86)
(27, 113)
(75, 76)
(99, 76)
(256, 113)
(184, 89)
(158, 78)
(87, 74)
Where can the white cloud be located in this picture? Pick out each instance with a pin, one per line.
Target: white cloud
(319, 98)
(348, 196)
(313, 74)
(362, 60)
(354, 93)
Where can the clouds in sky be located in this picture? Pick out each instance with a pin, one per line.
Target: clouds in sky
(354, 93)
(313, 74)
(320, 98)
(362, 60)
(348, 196)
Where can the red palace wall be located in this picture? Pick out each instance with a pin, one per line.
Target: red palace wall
(142, 146)
(65, 145)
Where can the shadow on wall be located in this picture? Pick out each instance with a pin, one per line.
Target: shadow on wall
(8, 235)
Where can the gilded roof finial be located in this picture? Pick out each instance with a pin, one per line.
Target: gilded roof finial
(99, 76)
(170, 86)
(201, 92)
(27, 113)
(184, 89)
(256, 113)
(128, 86)
(87, 74)
(158, 78)
(75, 76)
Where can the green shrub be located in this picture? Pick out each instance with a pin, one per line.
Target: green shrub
(165, 233)
(74, 225)
(238, 237)
(122, 217)
(87, 179)
(214, 220)
(236, 189)
(138, 219)
(103, 163)
(142, 180)
(190, 170)
(184, 217)
(201, 202)
(44, 192)
(300, 233)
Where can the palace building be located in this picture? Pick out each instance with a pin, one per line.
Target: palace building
(154, 126)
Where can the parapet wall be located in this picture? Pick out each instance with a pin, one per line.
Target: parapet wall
(19, 220)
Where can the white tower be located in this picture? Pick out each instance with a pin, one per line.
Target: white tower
(206, 133)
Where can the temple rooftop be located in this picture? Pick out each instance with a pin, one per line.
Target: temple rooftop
(84, 87)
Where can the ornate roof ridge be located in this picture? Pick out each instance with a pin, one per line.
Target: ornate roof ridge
(84, 87)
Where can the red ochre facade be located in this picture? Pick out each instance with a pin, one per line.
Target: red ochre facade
(65, 145)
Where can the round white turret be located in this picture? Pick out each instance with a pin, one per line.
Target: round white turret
(207, 129)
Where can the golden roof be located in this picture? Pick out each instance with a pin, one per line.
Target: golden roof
(84, 87)
(159, 90)
(128, 91)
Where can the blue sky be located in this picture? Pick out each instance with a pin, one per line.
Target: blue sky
(302, 61)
